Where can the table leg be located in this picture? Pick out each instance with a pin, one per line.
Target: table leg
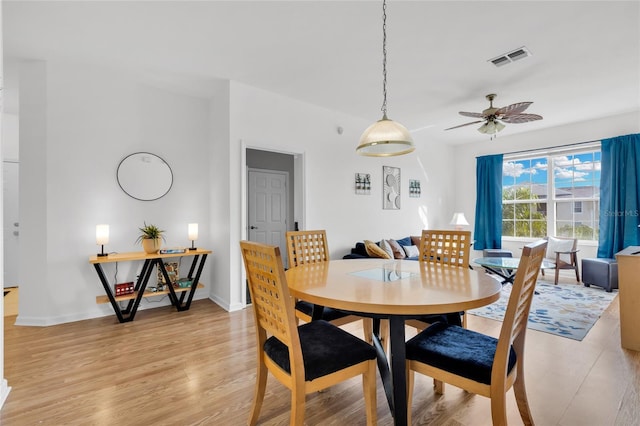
(383, 364)
(398, 369)
(393, 375)
(507, 277)
(178, 301)
(316, 312)
(127, 314)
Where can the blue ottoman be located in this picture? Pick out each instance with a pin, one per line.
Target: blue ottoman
(600, 272)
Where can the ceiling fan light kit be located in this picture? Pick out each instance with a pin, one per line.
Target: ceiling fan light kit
(494, 118)
(385, 137)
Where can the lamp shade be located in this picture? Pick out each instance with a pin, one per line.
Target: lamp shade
(193, 231)
(385, 138)
(459, 221)
(102, 234)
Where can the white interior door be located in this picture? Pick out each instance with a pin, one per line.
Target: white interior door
(267, 208)
(11, 223)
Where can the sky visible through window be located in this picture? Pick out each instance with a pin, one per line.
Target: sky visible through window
(576, 170)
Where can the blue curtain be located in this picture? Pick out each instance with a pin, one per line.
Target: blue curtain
(619, 194)
(488, 220)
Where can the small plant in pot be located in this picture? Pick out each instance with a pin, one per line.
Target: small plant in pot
(151, 238)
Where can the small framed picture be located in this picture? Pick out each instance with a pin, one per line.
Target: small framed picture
(390, 188)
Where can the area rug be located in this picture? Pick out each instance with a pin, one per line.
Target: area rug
(566, 310)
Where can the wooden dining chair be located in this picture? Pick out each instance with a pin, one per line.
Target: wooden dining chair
(306, 358)
(444, 247)
(305, 247)
(479, 363)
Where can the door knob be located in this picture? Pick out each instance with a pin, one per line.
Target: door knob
(253, 227)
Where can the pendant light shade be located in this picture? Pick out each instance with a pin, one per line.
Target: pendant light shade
(385, 138)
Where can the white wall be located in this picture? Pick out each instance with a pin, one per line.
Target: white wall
(265, 120)
(77, 122)
(575, 133)
(4, 387)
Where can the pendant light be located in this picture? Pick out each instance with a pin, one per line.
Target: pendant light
(385, 138)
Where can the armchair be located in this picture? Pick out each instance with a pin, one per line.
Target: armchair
(563, 252)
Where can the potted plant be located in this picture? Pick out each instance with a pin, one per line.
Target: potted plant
(150, 237)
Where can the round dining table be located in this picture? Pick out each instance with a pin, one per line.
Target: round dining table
(396, 290)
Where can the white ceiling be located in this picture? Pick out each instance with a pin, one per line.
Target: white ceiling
(585, 62)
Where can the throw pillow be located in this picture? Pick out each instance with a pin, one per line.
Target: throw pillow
(406, 241)
(398, 252)
(412, 251)
(384, 245)
(374, 251)
(557, 244)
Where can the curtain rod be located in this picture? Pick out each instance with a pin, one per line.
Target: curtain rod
(549, 148)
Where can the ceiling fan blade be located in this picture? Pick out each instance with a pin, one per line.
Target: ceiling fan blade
(467, 124)
(472, 114)
(521, 118)
(516, 108)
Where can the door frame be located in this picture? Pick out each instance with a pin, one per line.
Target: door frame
(299, 210)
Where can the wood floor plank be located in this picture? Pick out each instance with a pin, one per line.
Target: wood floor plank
(198, 368)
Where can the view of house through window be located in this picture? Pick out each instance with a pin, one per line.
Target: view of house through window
(552, 195)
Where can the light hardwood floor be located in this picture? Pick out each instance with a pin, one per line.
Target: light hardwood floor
(197, 368)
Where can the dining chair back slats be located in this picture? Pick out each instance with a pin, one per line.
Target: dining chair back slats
(307, 247)
(524, 287)
(271, 301)
(445, 247)
(304, 247)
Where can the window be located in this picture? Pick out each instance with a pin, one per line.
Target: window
(554, 194)
(577, 207)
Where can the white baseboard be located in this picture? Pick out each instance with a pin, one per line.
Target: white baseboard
(4, 392)
(225, 305)
(98, 311)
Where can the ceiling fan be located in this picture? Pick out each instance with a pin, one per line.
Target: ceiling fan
(494, 118)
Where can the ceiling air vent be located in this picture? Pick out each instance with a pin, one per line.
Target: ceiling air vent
(509, 57)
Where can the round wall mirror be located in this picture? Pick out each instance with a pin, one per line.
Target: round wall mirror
(144, 176)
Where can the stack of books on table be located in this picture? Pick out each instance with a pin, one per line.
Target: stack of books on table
(172, 250)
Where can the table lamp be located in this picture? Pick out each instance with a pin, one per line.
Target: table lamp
(459, 221)
(102, 238)
(193, 234)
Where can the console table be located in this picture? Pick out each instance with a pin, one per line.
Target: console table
(176, 295)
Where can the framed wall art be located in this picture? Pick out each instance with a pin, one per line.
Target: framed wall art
(390, 188)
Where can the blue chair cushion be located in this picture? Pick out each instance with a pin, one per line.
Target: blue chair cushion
(457, 350)
(325, 349)
(328, 314)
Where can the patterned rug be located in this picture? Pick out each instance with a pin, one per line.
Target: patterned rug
(567, 310)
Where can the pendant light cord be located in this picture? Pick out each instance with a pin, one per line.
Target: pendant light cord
(384, 60)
